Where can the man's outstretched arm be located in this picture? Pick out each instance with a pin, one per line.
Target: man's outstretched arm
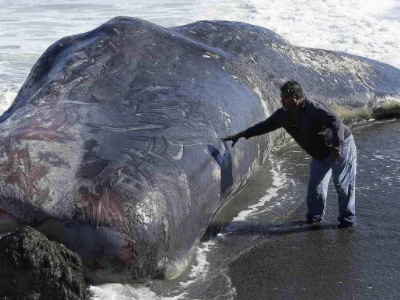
(270, 124)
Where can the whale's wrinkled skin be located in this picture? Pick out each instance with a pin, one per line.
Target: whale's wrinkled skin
(112, 146)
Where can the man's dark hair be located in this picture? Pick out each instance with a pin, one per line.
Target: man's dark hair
(292, 87)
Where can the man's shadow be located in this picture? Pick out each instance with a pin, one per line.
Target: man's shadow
(225, 163)
(279, 229)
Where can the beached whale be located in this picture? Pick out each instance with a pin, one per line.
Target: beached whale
(112, 146)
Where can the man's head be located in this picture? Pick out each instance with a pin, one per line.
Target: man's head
(291, 95)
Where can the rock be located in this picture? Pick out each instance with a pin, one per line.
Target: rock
(34, 268)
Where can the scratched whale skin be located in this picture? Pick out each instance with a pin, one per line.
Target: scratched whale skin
(112, 146)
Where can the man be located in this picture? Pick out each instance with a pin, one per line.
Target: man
(322, 134)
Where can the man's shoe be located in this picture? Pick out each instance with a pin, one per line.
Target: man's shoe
(346, 224)
(314, 220)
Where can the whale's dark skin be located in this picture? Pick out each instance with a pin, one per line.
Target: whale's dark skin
(113, 148)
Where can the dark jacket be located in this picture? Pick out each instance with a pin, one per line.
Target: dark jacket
(315, 127)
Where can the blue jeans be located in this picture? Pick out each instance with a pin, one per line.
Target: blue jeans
(344, 178)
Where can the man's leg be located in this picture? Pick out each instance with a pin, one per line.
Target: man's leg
(320, 173)
(344, 178)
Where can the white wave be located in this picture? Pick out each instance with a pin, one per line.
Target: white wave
(6, 99)
(353, 26)
(198, 272)
(116, 291)
(279, 181)
(231, 290)
(358, 27)
(121, 292)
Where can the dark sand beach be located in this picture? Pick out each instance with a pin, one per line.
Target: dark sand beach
(291, 260)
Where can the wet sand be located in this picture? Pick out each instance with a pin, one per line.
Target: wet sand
(291, 260)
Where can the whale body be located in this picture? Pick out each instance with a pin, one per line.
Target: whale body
(112, 146)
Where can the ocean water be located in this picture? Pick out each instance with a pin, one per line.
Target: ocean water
(369, 28)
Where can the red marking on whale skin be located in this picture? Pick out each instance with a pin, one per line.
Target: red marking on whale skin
(129, 253)
(40, 134)
(124, 257)
(36, 129)
(105, 209)
(18, 170)
(95, 265)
